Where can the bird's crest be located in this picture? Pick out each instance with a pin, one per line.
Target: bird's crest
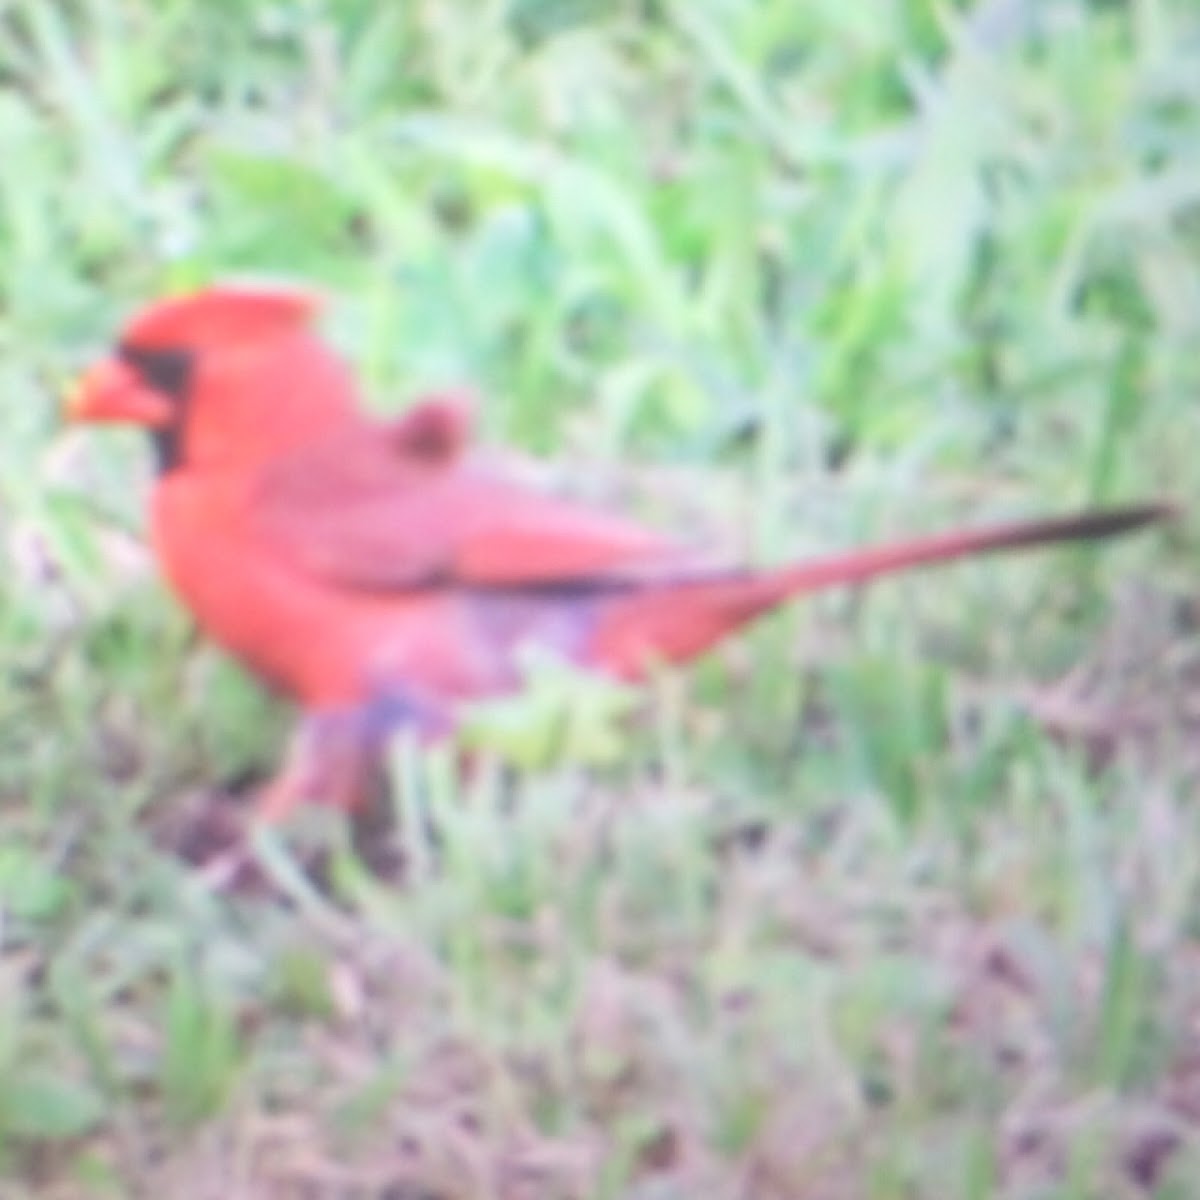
(224, 314)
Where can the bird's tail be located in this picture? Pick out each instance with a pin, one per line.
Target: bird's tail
(672, 621)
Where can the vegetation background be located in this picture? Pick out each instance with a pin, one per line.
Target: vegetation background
(898, 897)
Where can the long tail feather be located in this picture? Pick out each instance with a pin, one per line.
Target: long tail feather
(675, 621)
(859, 566)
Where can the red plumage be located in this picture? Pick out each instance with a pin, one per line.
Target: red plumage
(379, 571)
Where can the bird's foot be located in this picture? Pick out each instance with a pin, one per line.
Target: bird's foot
(209, 830)
(335, 760)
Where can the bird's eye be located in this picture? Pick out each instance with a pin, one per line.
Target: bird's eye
(166, 371)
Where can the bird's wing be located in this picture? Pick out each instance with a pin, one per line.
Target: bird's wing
(402, 506)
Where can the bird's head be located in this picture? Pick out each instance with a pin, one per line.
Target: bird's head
(225, 376)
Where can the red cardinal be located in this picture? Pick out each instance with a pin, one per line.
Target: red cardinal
(379, 574)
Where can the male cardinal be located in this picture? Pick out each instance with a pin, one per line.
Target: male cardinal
(377, 572)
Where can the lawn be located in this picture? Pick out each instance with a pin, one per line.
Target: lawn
(898, 896)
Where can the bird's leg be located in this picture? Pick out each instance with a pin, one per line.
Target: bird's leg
(329, 761)
(336, 755)
(336, 759)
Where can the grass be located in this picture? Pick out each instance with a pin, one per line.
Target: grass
(898, 896)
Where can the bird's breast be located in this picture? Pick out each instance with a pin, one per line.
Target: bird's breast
(315, 640)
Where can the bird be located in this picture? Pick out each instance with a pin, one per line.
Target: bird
(381, 573)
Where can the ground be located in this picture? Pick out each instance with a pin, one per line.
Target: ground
(895, 897)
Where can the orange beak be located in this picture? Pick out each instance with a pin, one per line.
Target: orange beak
(111, 391)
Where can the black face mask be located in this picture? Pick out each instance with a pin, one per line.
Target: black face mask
(168, 372)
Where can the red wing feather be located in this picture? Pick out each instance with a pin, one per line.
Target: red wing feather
(360, 512)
